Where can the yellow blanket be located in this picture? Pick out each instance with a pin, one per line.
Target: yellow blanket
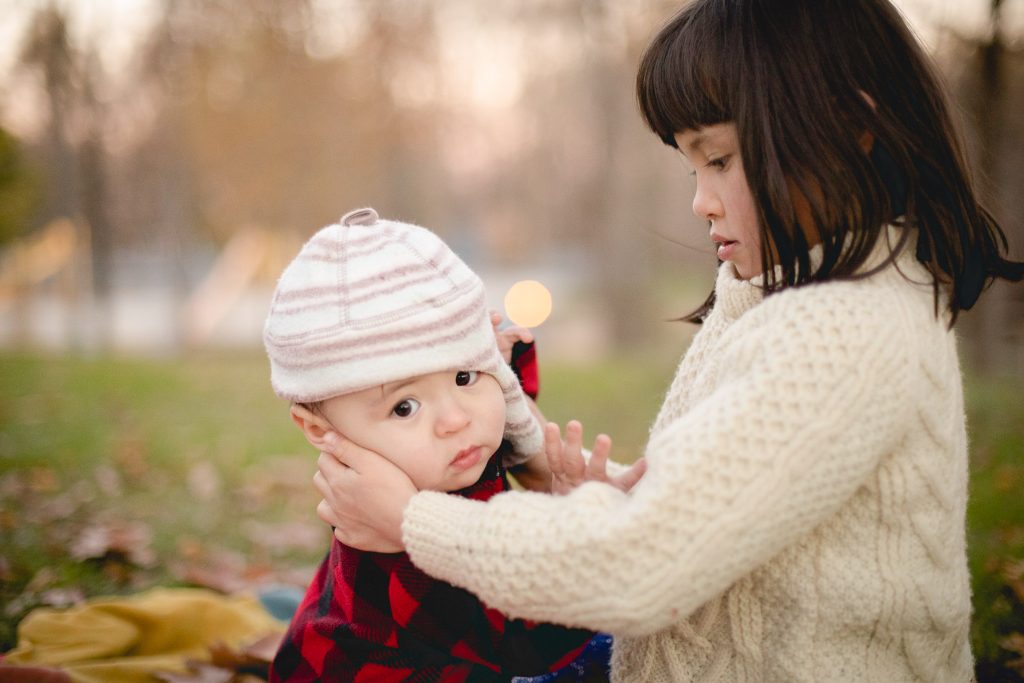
(125, 639)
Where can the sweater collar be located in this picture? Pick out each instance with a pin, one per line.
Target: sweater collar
(733, 296)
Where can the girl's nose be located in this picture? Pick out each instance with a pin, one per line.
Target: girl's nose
(704, 203)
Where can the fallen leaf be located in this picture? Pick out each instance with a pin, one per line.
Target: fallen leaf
(127, 540)
(11, 486)
(130, 455)
(221, 570)
(55, 509)
(62, 597)
(43, 480)
(1015, 644)
(1013, 574)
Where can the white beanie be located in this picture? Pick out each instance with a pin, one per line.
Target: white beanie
(370, 301)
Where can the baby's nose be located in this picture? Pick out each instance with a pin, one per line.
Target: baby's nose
(452, 418)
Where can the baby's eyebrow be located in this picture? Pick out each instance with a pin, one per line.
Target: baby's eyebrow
(393, 388)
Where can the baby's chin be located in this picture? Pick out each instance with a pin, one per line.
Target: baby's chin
(454, 481)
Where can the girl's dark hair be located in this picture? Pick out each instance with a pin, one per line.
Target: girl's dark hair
(804, 81)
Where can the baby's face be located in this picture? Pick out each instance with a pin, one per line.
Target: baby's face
(440, 429)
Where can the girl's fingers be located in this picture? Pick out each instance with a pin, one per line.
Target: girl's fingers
(627, 480)
(597, 469)
(348, 454)
(319, 482)
(328, 467)
(325, 512)
(574, 465)
(335, 444)
(553, 449)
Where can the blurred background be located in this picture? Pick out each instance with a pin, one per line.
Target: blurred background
(162, 160)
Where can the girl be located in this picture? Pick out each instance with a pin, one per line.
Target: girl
(802, 517)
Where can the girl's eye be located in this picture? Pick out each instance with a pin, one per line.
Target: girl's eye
(465, 378)
(718, 163)
(406, 408)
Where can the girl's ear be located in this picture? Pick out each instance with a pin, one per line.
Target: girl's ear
(313, 426)
(866, 141)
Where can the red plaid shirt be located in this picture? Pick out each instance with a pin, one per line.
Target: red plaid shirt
(377, 618)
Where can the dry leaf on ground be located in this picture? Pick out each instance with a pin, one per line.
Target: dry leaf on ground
(128, 540)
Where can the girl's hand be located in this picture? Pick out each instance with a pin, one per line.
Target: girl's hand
(508, 336)
(569, 469)
(364, 496)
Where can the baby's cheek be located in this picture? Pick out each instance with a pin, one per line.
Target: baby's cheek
(423, 474)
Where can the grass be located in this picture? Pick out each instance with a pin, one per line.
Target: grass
(995, 530)
(193, 470)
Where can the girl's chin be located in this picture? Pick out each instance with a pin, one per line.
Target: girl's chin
(746, 271)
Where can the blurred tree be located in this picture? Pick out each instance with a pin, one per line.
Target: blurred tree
(19, 189)
(47, 49)
(989, 76)
(259, 132)
(599, 183)
(75, 154)
(94, 194)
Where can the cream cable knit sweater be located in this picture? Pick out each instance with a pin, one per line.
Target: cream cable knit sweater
(802, 517)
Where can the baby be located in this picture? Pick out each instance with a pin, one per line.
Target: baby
(379, 332)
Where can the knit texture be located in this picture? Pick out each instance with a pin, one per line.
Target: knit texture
(369, 301)
(802, 516)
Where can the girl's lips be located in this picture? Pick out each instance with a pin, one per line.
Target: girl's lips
(725, 250)
(466, 458)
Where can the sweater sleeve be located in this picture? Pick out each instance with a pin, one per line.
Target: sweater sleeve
(811, 393)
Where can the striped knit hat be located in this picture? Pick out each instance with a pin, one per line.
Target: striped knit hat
(370, 301)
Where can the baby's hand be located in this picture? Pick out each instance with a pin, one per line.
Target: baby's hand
(569, 468)
(508, 336)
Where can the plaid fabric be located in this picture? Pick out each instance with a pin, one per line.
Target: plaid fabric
(376, 617)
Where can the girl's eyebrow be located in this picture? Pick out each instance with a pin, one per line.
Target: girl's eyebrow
(698, 141)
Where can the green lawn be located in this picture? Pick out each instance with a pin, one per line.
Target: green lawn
(119, 474)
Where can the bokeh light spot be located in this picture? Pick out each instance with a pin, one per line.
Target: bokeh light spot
(528, 303)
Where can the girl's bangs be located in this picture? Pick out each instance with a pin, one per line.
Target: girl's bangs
(683, 75)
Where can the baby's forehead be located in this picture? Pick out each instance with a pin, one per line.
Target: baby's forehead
(382, 392)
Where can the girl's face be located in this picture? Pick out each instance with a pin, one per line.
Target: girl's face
(723, 196)
(440, 428)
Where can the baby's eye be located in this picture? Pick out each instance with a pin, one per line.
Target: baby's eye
(465, 378)
(406, 408)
